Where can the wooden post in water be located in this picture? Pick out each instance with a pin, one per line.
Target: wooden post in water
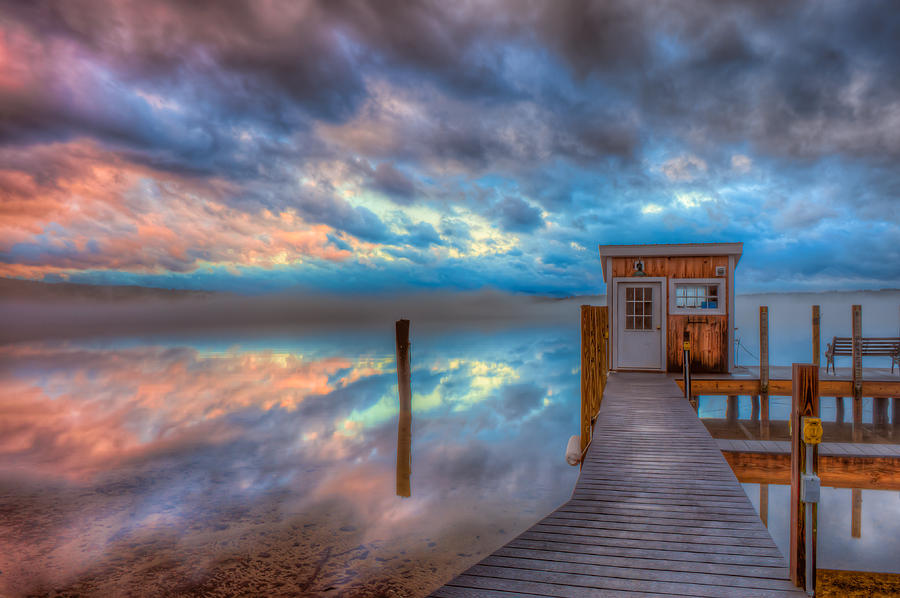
(754, 408)
(731, 409)
(895, 416)
(805, 402)
(816, 349)
(404, 421)
(856, 513)
(764, 503)
(594, 366)
(880, 411)
(764, 371)
(857, 373)
(839, 410)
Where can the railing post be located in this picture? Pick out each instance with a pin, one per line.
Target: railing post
(816, 348)
(404, 422)
(764, 370)
(806, 432)
(857, 373)
(686, 364)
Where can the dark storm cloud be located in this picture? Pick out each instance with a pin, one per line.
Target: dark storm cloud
(516, 214)
(394, 183)
(568, 111)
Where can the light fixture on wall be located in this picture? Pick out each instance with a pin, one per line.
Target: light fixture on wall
(639, 268)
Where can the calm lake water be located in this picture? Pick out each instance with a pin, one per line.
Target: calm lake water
(234, 463)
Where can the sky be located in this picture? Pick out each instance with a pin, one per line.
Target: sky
(394, 146)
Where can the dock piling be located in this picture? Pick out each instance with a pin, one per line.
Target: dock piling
(857, 373)
(404, 421)
(764, 371)
(816, 347)
(594, 366)
(804, 404)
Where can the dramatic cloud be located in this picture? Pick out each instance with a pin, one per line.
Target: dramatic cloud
(353, 145)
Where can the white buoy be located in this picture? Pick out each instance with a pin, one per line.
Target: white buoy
(573, 450)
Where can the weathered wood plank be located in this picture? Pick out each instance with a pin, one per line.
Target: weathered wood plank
(576, 554)
(656, 510)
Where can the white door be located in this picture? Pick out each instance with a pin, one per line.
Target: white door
(638, 330)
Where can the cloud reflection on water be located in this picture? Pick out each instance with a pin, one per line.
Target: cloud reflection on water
(129, 453)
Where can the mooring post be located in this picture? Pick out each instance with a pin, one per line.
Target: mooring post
(880, 411)
(857, 373)
(839, 410)
(815, 335)
(856, 513)
(764, 371)
(806, 433)
(686, 364)
(591, 370)
(587, 370)
(404, 421)
(754, 408)
(895, 416)
(764, 503)
(731, 409)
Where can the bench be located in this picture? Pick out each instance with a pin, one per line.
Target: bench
(841, 345)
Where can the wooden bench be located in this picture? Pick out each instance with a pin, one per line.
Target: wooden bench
(884, 346)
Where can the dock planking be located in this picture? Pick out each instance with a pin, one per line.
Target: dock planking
(656, 511)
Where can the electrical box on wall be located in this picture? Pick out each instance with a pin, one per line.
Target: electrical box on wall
(721, 270)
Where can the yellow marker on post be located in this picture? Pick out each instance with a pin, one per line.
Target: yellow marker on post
(687, 346)
(812, 430)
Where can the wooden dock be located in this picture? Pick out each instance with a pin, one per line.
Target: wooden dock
(656, 511)
(745, 380)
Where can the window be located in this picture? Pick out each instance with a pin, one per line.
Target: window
(697, 296)
(639, 308)
(703, 296)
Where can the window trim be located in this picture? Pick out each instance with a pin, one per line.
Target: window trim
(698, 311)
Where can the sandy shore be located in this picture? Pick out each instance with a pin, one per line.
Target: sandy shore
(856, 584)
(261, 550)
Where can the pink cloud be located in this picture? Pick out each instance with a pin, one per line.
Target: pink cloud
(74, 206)
(138, 402)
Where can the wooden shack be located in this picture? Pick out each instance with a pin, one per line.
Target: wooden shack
(656, 292)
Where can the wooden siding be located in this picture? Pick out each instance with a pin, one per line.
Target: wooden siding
(673, 267)
(709, 334)
(709, 343)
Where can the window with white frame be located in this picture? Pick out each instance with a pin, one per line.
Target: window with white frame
(697, 296)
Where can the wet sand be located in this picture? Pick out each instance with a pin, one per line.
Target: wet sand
(856, 584)
(254, 550)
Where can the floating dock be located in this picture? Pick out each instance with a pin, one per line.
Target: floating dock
(656, 511)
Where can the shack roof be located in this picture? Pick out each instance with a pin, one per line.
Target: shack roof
(670, 249)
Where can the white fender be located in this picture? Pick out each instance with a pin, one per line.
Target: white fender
(573, 450)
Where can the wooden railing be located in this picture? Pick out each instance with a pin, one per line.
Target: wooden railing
(594, 366)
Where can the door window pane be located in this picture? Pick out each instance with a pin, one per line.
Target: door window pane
(639, 308)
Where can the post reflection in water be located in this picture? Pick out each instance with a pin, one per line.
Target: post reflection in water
(404, 453)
